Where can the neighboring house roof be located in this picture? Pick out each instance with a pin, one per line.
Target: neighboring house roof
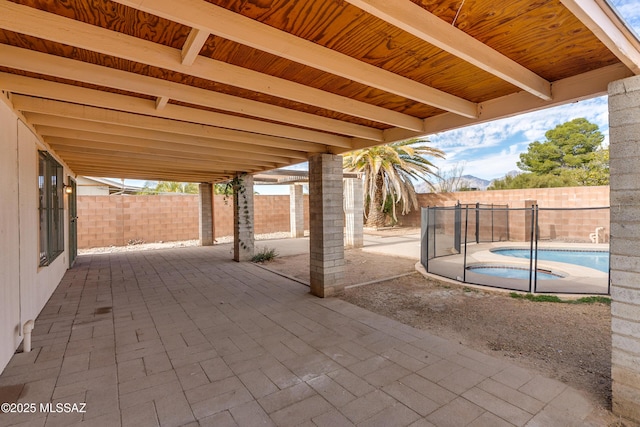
(115, 187)
(203, 90)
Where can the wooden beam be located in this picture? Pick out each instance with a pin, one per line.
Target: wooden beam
(124, 145)
(131, 160)
(99, 157)
(607, 27)
(51, 65)
(415, 20)
(192, 47)
(161, 102)
(308, 139)
(46, 123)
(80, 117)
(228, 154)
(49, 112)
(238, 28)
(27, 20)
(152, 174)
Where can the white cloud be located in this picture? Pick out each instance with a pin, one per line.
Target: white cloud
(490, 150)
(497, 165)
(629, 11)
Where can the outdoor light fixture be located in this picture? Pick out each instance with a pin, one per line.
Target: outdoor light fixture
(67, 188)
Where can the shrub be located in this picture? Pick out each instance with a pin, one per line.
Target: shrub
(265, 255)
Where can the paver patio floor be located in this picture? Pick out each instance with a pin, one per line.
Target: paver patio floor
(188, 337)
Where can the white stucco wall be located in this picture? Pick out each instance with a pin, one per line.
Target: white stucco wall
(9, 236)
(24, 286)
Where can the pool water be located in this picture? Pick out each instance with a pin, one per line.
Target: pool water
(511, 272)
(592, 259)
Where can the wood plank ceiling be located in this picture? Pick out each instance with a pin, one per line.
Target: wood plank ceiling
(194, 90)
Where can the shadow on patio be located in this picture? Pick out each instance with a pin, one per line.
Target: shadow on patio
(188, 337)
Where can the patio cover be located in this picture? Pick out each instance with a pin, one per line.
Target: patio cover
(196, 90)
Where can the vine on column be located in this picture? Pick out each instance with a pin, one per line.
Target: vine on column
(240, 192)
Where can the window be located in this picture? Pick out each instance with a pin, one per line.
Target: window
(51, 207)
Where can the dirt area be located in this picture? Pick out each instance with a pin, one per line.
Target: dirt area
(568, 342)
(362, 267)
(141, 245)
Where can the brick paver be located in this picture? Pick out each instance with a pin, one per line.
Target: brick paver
(189, 337)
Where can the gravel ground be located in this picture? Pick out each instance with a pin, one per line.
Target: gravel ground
(144, 246)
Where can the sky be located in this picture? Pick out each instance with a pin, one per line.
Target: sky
(491, 150)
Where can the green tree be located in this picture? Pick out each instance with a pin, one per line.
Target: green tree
(571, 145)
(531, 180)
(388, 173)
(147, 190)
(170, 187)
(223, 189)
(177, 187)
(572, 155)
(595, 172)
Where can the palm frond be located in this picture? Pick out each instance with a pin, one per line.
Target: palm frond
(390, 171)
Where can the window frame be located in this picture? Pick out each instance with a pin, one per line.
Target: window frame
(50, 208)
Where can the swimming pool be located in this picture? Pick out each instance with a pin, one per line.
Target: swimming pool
(509, 272)
(585, 258)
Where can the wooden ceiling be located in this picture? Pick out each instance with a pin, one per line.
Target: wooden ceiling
(194, 90)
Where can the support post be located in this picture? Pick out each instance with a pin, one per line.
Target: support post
(326, 235)
(624, 152)
(296, 210)
(206, 214)
(354, 212)
(243, 237)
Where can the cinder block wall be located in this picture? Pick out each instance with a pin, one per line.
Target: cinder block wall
(553, 224)
(271, 214)
(566, 197)
(116, 220)
(222, 216)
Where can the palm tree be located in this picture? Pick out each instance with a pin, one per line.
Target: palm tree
(388, 173)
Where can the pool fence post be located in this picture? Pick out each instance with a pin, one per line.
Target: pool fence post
(464, 259)
(424, 240)
(492, 237)
(457, 220)
(537, 237)
(477, 222)
(531, 249)
(507, 210)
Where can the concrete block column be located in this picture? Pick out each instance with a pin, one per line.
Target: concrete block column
(243, 218)
(296, 210)
(354, 212)
(206, 214)
(326, 224)
(624, 150)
